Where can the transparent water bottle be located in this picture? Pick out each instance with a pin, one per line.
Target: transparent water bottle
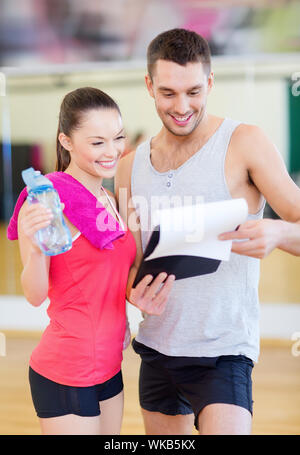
(56, 237)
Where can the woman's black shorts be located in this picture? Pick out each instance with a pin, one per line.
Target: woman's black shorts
(51, 399)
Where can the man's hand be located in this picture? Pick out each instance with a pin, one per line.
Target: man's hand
(152, 298)
(260, 237)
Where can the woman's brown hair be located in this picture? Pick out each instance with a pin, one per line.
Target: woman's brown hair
(72, 107)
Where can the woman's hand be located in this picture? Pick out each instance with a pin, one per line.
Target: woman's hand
(35, 217)
(152, 298)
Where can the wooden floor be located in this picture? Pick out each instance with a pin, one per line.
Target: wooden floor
(276, 391)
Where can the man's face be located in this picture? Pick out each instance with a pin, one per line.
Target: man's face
(180, 94)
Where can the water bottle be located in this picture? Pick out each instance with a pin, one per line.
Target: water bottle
(56, 237)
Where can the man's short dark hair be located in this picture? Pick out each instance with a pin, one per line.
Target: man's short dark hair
(180, 46)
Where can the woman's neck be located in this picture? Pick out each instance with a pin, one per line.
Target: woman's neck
(90, 182)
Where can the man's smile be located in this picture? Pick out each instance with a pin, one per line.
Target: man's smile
(182, 120)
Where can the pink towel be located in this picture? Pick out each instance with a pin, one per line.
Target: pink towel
(82, 209)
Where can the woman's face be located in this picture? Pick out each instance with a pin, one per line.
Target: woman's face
(98, 143)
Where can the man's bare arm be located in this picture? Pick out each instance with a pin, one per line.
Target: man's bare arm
(269, 174)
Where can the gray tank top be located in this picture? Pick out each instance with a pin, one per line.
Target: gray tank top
(209, 315)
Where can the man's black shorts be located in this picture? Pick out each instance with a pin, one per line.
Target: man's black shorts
(185, 385)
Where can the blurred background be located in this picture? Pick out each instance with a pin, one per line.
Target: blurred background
(49, 47)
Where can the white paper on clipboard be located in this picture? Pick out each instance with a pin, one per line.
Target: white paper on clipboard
(194, 230)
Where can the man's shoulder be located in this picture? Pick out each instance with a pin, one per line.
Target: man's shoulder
(246, 132)
(248, 138)
(126, 161)
(124, 170)
(251, 144)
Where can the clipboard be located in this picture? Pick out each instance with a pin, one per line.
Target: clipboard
(174, 248)
(181, 266)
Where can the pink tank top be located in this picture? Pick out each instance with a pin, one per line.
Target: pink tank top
(83, 343)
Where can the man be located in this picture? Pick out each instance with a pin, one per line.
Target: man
(199, 338)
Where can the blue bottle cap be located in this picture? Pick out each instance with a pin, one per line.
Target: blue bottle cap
(34, 179)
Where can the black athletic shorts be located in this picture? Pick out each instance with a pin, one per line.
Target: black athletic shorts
(51, 399)
(185, 385)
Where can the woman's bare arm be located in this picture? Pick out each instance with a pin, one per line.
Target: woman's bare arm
(35, 274)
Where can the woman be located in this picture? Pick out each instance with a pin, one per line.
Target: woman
(75, 371)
